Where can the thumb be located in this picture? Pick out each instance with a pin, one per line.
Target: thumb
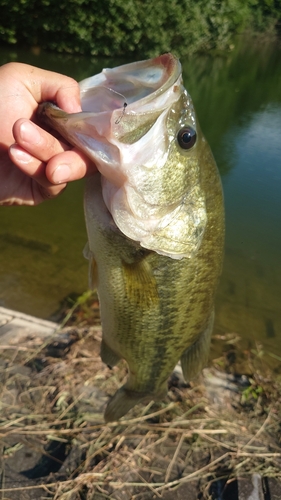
(50, 86)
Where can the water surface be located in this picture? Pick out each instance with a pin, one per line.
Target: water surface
(238, 99)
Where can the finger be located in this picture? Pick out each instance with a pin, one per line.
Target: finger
(36, 141)
(48, 85)
(69, 166)
(36, 170)
(46, 193)
(63, 167)
(29, 165)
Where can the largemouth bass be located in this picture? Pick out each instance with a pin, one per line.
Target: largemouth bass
(155, 222)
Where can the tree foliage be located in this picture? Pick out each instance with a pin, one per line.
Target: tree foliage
(143, 27)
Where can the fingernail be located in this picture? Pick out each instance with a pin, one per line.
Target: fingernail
(74, 106)
(61, 174)
(19, 155)
(30, 133)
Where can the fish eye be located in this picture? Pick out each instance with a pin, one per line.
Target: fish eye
(186, 137)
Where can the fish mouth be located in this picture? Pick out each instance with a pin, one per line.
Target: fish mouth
(131, 86)
(119, 106)
(125, 102)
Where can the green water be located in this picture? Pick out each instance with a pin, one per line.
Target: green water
(238, 99)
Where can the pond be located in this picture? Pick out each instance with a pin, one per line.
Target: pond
(237, 96)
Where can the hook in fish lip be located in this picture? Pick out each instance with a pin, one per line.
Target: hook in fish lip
(121, 116)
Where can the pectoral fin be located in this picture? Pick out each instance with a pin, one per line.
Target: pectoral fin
(196, 356)
(93, 269)
(140, 284)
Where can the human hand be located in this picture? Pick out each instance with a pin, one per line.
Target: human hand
(34, 165)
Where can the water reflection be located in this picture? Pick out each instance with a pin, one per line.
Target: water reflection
(34, 278)
(238, 100)
(252, 189)
(249, 295)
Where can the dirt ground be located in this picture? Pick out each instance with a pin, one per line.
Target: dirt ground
(193, 445)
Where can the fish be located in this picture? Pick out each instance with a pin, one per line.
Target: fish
(154, 214)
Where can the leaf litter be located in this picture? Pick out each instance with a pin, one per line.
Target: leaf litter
(222, 425)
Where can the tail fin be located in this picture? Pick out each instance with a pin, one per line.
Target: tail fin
(122, 401)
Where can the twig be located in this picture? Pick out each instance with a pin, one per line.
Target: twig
(171, 464)
(261, 429)
(193, 474)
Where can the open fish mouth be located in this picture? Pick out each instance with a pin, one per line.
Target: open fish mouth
(132, 116)
(119, 104)
(134, 82)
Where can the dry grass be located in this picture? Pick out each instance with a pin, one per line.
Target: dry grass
(55, 396)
